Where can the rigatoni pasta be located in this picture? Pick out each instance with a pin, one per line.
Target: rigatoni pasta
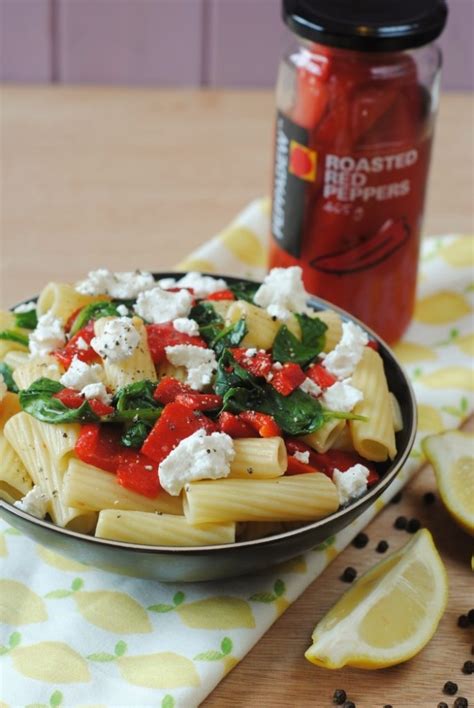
(239, 441)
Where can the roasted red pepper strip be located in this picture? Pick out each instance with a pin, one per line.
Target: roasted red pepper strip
(200, 401)
(327, 462)
(373, 344)
(99, 445)
(295, 466)
(320, 376)
(73, 399)
(260, 364)
(175, 423)
(221, 295)
(235, 426)
(264, 424)
(288, 378)
(138, 473)
(72, 349)
(165, 335)
(71, 319)
(169, 388)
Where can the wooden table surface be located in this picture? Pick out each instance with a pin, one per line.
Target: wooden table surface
(138, 178)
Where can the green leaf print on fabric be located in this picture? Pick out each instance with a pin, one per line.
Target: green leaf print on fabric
(279, 590)
(168, 701)
(325, 544)
(178, 599)
(461, 411)
(120, 649)
(14, 641)
(76, 585)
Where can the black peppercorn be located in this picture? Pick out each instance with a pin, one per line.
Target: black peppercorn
(413, 526)
(361, 540)
(450, 688)
(461, 702)
(396, 498)
(401, 522)
(349, 704)
(429, 498)
(382, 546)
(339, 696)
(349, 575)
(443, 705)
(463, 621)
(388, 706)
(468, 667)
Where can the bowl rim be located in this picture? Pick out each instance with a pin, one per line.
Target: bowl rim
(363, 501)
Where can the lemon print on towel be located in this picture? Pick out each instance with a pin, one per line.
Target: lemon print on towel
(212, 613)
(52, 662)
(244, 245)
(224, 655)
(458, 253)
(449, 377)
(275, 597)
(294, 565)
(108, 609)
(159, 670)
(409, 352)
(20, 605)
(60, 562)
(442, 307)
(429, 419)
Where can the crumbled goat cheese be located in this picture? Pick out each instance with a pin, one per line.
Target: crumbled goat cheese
(251, 352)
(282, 292)
(82, 344)
(341, 396)
(345, 356)
(186, 326)
(80, 374)
(352, 483)
(96, 390)
(160, 305)
(48, 336)
(126, 285)
(200, 363)
(277, 365)
(25, 307)
(201, 285)
(3, 387)
(118, 341)
(311, 387)
(302, 456)
(198, 456)
(122, 310)
(35, 502)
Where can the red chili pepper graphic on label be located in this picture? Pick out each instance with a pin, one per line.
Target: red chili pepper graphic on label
(367, 253)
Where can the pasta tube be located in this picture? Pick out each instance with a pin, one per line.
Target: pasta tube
(396, 413)
(62, 299)
(16, 358)
(88, 487)
(35, 369)
(373, 439)
(324, 438)
(261, 327)
(160, 529)
(298, 497)
(259, 458)
(15, 481)
(136, 367)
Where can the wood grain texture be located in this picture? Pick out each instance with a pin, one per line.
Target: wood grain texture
(139, 178)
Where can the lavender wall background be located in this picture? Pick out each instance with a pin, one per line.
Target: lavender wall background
(228, 43)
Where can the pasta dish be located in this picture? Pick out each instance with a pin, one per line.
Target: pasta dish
(188, 411)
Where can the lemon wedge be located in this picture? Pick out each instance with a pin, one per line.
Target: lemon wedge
(389, 614)
(452, 456)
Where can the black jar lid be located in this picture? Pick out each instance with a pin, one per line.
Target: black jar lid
(367, 25)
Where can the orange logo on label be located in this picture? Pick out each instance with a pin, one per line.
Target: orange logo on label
(303, 161)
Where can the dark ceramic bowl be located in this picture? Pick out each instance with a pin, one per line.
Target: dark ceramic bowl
(213, 562)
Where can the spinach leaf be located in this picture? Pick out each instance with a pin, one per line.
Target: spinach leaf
(296, 414)
(136, 434)
(286, 347)
(135, 403)
(27, 320)
(7, 371)
(229, 337)
(244, 291)
(11, 335)
(210, 323)
(136, 406)
(94, 311)
(38, 401)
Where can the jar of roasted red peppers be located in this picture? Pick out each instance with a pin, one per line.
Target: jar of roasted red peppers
(356, 108)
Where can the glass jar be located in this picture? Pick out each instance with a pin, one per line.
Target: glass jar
(356, 110)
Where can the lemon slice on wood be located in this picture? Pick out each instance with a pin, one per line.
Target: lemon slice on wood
(389, 614)
(452, 456)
